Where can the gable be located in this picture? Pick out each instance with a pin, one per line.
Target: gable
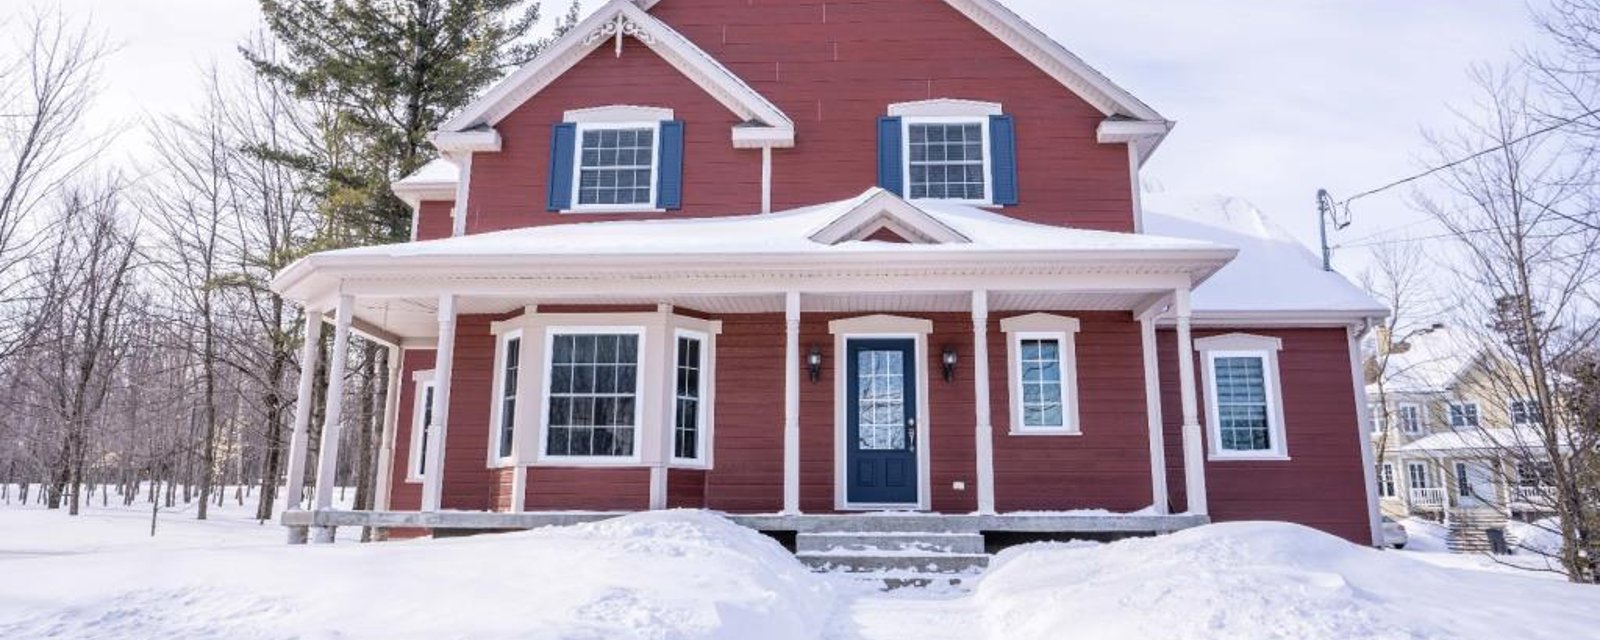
(884, 217)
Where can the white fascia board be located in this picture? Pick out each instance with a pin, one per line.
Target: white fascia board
(474, 141)
(1287, 318)
(594, 32)
(760, 137)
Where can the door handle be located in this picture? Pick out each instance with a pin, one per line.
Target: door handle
(911, 434)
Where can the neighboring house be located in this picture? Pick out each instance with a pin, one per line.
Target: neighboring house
(794, 260)
(1456, 442)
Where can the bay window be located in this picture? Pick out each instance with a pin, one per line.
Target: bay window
(593, 399)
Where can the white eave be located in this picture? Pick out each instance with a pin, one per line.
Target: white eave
(763, 124)
(436, 180)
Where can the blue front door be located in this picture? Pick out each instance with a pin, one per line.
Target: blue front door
(881, 415)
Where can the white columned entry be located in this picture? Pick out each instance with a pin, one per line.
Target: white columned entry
(294, 494)
(391, 414)
(333, 415)
(433, 477)
(1194, 457)
(791, 404)
(984, 446)
(1152, 407)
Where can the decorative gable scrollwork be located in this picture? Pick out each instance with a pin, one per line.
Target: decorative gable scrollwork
(618, 28)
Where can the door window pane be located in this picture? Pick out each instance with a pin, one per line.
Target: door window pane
(881, 400)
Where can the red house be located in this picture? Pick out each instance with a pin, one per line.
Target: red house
(795, 260)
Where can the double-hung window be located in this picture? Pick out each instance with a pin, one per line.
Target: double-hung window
(1410, 416)
(1043, 375)
(421, 427)
(1463, 415)
(1418, 476)
(1386, 488)
(616, 165)
(505, 410)
(689, 393)
(947, 160)
(1244, 397)
(593, 400)
(1526, 413)
(949, 149)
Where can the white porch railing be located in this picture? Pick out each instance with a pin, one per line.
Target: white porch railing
(1433, 497)
(1534, 496)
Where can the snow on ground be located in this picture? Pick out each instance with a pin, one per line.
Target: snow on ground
(684, 575)
(1429, 542)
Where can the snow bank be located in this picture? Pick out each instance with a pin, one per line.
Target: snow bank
(1261, 580)
(1542, 537)
(659, 575)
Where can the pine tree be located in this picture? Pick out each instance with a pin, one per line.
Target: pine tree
(388, 72)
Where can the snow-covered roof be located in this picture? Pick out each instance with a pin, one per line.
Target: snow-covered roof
(1494, 439)
(1428, 362)
(437, 172)
(1274, 273)
(789, 232)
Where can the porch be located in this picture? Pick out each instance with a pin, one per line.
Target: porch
(842, 317)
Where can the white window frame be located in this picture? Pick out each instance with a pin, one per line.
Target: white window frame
(1427, 477)
(642, 395)
(1477, 414)
(422, 382)
(906, 122)
(1245, 346)
(500, 353)
(702, 421)
(1421, 418)
(1042, 326)
(1386, 481)
(655, 169)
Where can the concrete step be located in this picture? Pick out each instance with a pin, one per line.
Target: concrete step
(896, 523)
(879, 541)
(921, 563)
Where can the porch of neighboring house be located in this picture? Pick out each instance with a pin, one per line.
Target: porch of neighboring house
(1471, 491)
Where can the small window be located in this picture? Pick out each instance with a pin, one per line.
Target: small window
(948, 160)
(593, 395)
(1043, 374)
(1417, 475)
(616, 166)
(1463, 482)
(689, 393)
(1410, 417)
(510, 359)
(1386, 487)
(1537, 474)
(421, 430)
(1043, 394)
(1243, 412)
(1463, 415)
(1526, 413)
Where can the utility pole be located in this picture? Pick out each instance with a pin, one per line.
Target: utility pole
(1328, 212)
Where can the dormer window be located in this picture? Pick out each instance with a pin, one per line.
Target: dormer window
(949, 150)
(619, 159)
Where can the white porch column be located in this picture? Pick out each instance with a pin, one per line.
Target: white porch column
(981, 405)
(1152, 402)
(1194, 457)
(294, 494)
(391, 415)
(433, 476)
(791, 404)
(333, 415)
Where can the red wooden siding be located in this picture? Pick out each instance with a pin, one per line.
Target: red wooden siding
(407, 496)
(469, 483)
(434, 219)
(686, 489)
(749, 432)
(1322, 485)
(1108, 467)
(588, 489)
(834, 67)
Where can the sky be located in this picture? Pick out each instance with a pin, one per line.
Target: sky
(1273, 99)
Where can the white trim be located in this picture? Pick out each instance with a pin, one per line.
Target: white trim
(1041, 326)
(1387, 474)
(982, 406)
(391, 425)
(1400, 417)
(615, 20)
(791, 403)
(577, 169)
(333, 412)
(1194, 459)
(310, 352)
(467, 142)
(642, 397)
(495, 460)
(618, 114)
(703, 419)
(876, 327)
(421, 381)
(459, 210)
(946, 108)
(885, 210)
(1358, 374)
(444, 374)
(1245, 346)
(988, 161)
(1160, 494)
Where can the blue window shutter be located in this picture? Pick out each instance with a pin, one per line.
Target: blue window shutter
(563, 151)
(1003, 159)
(891, 164)
(669, 185)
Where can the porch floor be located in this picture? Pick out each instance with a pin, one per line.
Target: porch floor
(1037, 523)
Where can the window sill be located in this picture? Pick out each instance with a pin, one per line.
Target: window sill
(1275, 457)
(1044, 432)
(981, 204)
(690, 465)
(588, 462)
(603, 210)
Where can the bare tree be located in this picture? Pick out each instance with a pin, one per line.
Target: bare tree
(1529, 264)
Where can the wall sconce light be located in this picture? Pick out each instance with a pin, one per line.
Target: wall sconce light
(949, 360)
(814, 363)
